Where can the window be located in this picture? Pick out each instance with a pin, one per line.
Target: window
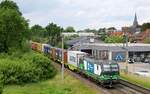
(72, 58)
(114, 67)
(106, 67)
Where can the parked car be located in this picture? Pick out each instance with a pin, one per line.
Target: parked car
(147, 60)
(143, 73)
(131, 60)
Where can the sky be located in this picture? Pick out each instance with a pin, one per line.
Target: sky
(82, 14)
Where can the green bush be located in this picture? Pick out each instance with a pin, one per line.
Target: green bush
(147, 41)
(29, 67)
(1, 83)
(44, 64)
(114, 39)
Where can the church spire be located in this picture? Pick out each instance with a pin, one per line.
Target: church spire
(135, 23)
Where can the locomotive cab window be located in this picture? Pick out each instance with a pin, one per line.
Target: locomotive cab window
(106, 68)
(114, 68)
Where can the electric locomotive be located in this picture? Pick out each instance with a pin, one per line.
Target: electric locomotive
(104, 71)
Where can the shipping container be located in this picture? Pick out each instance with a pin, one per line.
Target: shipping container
(36, 46)
(59, 54)
(33, 45)
(65, 57)
(53, 53)
(46, 49)
(39, 47)
(73, 57)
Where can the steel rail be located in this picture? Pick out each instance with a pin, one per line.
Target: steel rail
(135, 86)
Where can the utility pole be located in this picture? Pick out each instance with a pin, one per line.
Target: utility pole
(127, 52)
(62, 62)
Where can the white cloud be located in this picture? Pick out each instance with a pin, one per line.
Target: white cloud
(85, 13)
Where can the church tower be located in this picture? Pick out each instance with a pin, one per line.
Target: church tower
(135, 27)
(135, 23)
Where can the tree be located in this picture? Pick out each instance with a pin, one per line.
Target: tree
(147, 40)
(54, 33)
(102, 30)
(7, 4)
(69, 29)
(103, 36)
(90, 30)
(145, 26)
(12, 27)
(37, 33)
(112, 28)
(114, 39)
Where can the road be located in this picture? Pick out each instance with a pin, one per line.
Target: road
(136, 67)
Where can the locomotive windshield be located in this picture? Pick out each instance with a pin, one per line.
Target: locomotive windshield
(114, 68)
(110, 68)
(106, 68)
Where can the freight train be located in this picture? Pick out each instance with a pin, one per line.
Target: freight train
(103, 71)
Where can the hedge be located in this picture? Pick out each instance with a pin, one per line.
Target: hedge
(29, 67)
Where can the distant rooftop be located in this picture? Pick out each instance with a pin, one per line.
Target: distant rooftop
(139, 47)
(81, 40)
(78, 33)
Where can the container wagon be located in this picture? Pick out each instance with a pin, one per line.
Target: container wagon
(46, 49)
(36, 46)
(73, 59)
(59, 55)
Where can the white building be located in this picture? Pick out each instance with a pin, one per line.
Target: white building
(79, 34)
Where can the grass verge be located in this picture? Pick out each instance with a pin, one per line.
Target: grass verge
(142, 81)
(53, 86)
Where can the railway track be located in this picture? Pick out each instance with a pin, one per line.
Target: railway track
(123, 87)
(135, 87)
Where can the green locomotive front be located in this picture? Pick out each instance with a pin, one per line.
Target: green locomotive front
(105, 72)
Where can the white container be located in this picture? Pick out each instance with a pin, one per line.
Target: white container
(73, 57)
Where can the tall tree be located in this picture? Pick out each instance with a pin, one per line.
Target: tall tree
(112, 28)
(8, 4)
(90, 30)
(12, 26)
(37, 33)
(145, 26)
(69, 29)
(54, 33)
(102, 30)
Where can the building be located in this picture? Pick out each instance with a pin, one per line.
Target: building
(116, 33)
(79, 40)
(135, 27)
(139, 38)
(79, 34)
(130, 31)
(125, 29)
(134, 32)
(117, 52)
(110, 30)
